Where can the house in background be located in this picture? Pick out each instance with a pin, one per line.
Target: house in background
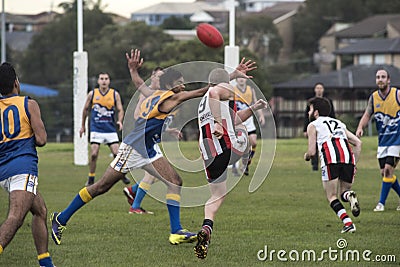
(282, 14)
(349, 88)
(357, 57)
(200, 11)
(259, 5)
(21, 28)
(342, 35)
(370, 51)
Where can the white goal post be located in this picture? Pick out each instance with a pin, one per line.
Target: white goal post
(80, 92)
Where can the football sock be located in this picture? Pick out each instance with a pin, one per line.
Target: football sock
(1, 249)
(208, 226)
(135, 187)
(251, 155)
(341, 212)
(396, 186)
(45, 260)
(140, 194)
(246, 160)
(80, 200)
(386, 185)
(173, 205)
(91, 177)
(345, 196)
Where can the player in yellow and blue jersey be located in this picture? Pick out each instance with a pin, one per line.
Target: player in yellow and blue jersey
(384, 103)
(140, 149)
(103, 103)
(136, 193)
(245, 97)
(21, 130)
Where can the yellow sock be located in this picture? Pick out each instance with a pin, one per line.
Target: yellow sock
(85, 196)
(43, 255)
(1, 249)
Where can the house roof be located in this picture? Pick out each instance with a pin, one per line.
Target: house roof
(19, 41)
(372, 46)
(179, 8)
(395, 23)
(360, 76)
(280, 9)
(369, 27)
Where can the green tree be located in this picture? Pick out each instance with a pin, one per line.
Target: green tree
(259, 34)
(107, 52)
(48, 59)
(179, 23)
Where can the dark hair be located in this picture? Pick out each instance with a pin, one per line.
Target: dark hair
(7, 78)
(322, 105)
(384, 69)
(168, 78)
(106, 73)
(157, 69)
(319, 83)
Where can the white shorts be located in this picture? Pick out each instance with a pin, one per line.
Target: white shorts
(25, 182)
(249, 123)
(385, 151)
(128, 158)
(104, 138)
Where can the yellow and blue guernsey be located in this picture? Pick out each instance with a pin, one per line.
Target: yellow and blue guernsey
(243, 99)
(387, 117)
(17, 142)
(103, 110)
(150, 124)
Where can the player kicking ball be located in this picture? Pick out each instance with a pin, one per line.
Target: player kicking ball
(223, 140)
(338, 159)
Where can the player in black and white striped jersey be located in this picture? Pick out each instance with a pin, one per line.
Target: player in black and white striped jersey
(337, 157)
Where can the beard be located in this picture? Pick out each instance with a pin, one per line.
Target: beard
(382, 86)
(311, 118)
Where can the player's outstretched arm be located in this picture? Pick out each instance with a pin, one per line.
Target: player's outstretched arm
(170, 103)
(135, 62)
(244, 114)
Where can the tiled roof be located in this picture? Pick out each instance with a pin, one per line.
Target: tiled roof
(361, 76)
(179, 8)
(372, 46)
(280, 9)
(369, 27)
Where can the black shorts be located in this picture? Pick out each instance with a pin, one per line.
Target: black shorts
(343, 171)
(252, 132)
(216, 168)
(391, 160)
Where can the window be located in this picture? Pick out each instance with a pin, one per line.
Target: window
(379, 59)
(365, 59)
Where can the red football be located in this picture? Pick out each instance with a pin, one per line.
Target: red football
(209, 35)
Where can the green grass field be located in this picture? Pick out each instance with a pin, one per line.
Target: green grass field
(288, 212)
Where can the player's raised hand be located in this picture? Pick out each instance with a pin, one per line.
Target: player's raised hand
(134, 60)
(244, 67)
